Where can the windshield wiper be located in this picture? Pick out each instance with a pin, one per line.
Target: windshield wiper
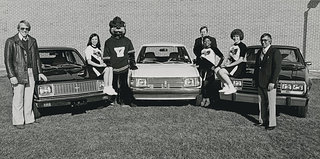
(66, 68)
(69, 66)
(292, 66)
(174, 62)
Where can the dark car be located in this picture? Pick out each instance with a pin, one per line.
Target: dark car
(68, 80)
(294, 82)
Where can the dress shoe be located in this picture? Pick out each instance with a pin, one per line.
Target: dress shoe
(19, 126)
(224, 89)
(230, 91)
(259, 124)
(133, 105)
(35, 122)
(270, 127)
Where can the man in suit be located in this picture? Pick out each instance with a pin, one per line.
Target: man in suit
(203, 65)
(266, 73)
(23, 66)
(198, 45)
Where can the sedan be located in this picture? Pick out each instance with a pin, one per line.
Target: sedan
(165, 72)
(293, 86)
(68, 82)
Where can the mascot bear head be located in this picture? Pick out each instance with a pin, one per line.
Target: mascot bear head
(117, 27)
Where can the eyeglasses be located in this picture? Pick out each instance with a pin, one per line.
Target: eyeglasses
(264, 40)
(28, 29)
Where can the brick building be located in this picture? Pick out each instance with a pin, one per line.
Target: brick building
(69, 23)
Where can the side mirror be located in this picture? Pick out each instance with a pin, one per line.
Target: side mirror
(308, 63)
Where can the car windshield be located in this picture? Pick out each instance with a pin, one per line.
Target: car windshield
(66, 59)
(163, 54)
(288, 56)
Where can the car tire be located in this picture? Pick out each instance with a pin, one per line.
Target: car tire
(302, 111)
(36, 112)
(198, 100)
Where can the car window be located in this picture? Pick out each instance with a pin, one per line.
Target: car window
(59, 57)
(251, 55)
(163, 54)
(288, 55)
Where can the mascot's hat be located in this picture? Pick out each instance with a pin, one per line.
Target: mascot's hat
(116, 22)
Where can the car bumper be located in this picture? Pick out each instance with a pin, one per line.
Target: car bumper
(76, 99)
(166, 94)
(253, 98)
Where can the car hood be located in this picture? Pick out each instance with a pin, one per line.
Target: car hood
(292, 71)
(165, 70)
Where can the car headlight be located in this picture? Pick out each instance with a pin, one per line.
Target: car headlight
(100, 85)
(141, 82)
(192, 82)
(45, 90)
(292, 87)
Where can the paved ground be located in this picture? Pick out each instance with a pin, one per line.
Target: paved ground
(314, 74)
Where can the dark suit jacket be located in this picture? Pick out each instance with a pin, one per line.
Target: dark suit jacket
(15, 62)
(198, 46)
(268, 70)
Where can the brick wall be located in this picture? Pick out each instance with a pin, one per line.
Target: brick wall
(69, 23)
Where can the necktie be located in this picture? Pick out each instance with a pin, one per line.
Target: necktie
(262, 54)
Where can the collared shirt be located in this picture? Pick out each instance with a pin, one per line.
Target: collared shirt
(22, 38)
(27, 55)
(264, 51)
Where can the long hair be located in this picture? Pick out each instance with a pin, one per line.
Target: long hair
(90, 38)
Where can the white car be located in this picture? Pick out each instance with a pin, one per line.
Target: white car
(165, 72)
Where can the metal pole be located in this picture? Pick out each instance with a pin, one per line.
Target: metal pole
(305, 29)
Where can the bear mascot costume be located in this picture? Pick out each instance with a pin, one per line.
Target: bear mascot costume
(120, 55)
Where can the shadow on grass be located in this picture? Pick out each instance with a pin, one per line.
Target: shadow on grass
(103, 104)
(72, 110)
(249, 110)
(246, 110)
(156, 103)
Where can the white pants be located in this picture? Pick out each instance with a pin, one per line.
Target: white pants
(22, 102)
(267, 103)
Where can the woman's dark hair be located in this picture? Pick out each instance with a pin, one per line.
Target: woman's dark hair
(237, 32)
(206, 37)
(90, 43)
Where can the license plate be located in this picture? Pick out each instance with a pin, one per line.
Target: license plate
(79, 102)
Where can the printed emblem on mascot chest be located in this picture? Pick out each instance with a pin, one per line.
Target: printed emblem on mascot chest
(119, 51)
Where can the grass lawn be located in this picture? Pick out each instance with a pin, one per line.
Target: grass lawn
(179, 131)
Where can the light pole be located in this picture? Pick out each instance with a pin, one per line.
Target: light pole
(311, 4)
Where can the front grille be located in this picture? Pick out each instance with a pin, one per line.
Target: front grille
(249, 88)
(75, 87)
(166, 82)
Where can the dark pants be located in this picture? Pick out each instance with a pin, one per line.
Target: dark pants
(210, 86)
(120, 84)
